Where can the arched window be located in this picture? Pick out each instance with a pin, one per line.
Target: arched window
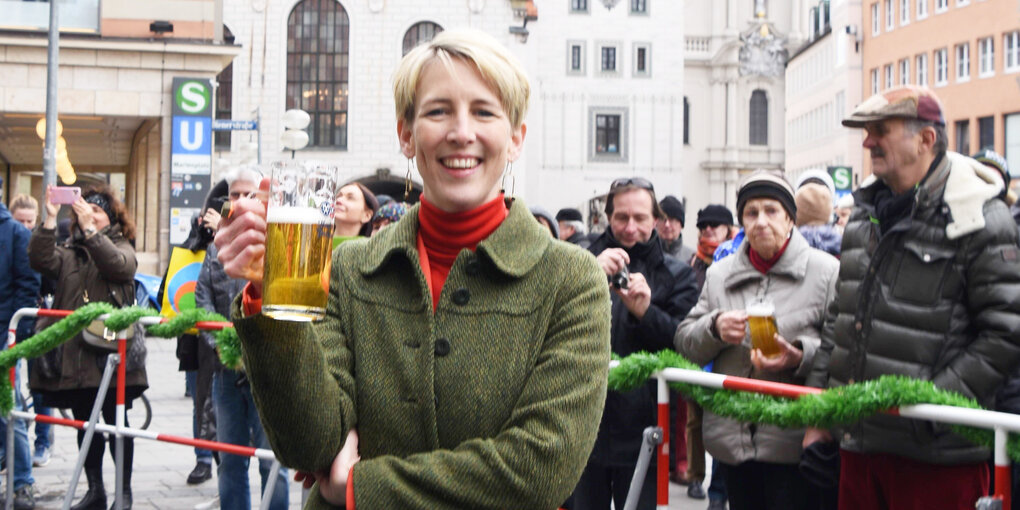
(759, 118)
(317, 63)
(420, 32)
(224, 95)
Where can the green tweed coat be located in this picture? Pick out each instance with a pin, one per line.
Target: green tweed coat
(493, 401)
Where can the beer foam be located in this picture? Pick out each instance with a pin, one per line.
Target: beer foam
(291, 214)
(760, 309)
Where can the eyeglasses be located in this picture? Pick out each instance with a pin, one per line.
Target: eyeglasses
(632, 181)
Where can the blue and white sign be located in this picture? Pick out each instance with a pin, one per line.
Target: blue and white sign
(191, 149)
(234, 125)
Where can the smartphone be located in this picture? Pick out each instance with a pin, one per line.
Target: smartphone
(64, 194)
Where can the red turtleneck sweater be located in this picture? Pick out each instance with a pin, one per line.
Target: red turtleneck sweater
(763, 265)
(442, 235)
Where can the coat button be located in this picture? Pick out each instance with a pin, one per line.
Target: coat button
(442, 347)
(473, 268)
(461, 296)
(859, 326)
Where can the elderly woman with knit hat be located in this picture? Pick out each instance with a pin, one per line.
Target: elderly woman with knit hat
(775, 264)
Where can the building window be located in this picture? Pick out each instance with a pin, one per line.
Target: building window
(578, 5)
(575, 58)
(224, 97)
(888, 82)
(922, 69)
(986, 133)
(941, 67)
(960, 3)
(421, 32)
(1011, 130)
(608, 59)
(318, 32)
(874, 81)
(608, 129)
(638, 6)
(904, 12)
(1011, 52)
(687, 121)
(889, 15)
(876, 24)
(941, 6)
(986, 57)
(963, 62)
(759, 118)
(905, 71)
(963, 137)
(642, 60)
(922, 9)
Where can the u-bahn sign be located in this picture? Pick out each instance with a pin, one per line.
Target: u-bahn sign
(190, 153)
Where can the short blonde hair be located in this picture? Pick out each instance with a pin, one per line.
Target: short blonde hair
(498, 67)
(22, 201)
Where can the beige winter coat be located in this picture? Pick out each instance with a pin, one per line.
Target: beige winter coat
(800, 285)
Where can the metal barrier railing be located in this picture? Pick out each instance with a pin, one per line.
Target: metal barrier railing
(118, 430)
(1000, 423)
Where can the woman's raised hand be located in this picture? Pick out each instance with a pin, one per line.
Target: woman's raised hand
(241, 239)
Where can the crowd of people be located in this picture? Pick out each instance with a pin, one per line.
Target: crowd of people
(462, 360)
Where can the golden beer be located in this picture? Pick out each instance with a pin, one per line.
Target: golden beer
(298, 250)
(761, 320)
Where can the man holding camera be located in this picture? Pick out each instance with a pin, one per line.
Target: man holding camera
(651, 293)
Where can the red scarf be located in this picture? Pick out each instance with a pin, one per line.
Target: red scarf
(706, 249)
(442, 235)
(763, 265)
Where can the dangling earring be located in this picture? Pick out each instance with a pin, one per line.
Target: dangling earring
(509, 171)
(407, 181)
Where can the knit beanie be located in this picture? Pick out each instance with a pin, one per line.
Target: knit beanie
(766, 184)
(714, 214)
(569, 214)
(814, 204)
(673, 208)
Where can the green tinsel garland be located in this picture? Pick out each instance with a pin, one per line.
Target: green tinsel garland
(843, 405)
(227, 343)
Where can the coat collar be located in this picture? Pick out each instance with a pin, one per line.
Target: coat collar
(793, 263)
(514, 247)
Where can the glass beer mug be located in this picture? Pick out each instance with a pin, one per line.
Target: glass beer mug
(299, 235)
(761, 320)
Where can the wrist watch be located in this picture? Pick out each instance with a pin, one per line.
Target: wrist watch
(89, 231)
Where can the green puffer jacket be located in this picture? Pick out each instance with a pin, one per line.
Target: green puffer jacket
(493, 401)
(936, 298)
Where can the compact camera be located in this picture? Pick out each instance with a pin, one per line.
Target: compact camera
(620, 279)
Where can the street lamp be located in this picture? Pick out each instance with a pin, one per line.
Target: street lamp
(294, 137)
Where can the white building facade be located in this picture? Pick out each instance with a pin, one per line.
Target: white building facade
(823, 84)
(607, 81)
(735, 91)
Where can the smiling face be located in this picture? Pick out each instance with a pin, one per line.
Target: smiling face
(633, 217)
(460, 137)
(350, 207)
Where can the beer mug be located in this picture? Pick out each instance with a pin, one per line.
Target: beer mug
(299, 236)
(761, 320)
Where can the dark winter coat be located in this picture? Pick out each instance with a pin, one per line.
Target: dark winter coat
(935, 298)
(580, 240)
(489, 402)
(103, 266)
(19, 285)
(215, 291)
(674, 293)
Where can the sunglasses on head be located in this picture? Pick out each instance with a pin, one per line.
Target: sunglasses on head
(632, 181)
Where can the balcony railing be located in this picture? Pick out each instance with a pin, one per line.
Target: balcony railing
(30, 15)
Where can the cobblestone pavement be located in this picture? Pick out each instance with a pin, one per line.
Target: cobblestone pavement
(160, 469)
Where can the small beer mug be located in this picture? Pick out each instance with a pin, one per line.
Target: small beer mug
(299, 235)
(761, 320)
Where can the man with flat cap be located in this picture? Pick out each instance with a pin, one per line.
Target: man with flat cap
(572, 229)
(671, 229)
(929, 288)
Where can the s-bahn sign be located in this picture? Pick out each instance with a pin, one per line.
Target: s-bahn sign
(191, 146)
